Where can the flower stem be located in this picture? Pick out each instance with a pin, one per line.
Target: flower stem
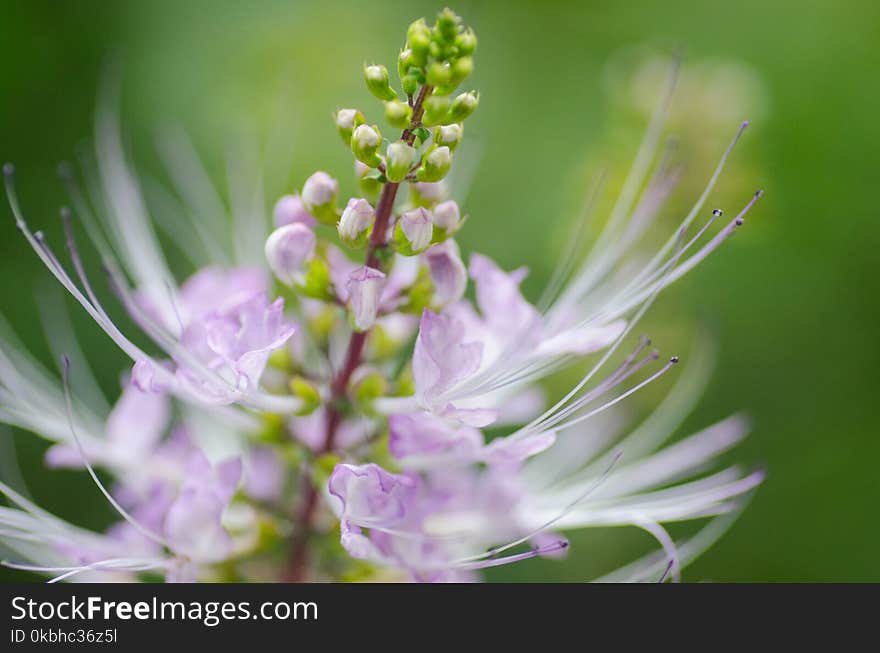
(298, 564)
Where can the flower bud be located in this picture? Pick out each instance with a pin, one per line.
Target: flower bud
(463, 105)
(410, 84)
(288, 248)
(319, 197)
(376, 77)
(346, 121)
(367, 386)
(413, 231)
(466, 42)
(368, 181)
(449, 135)
(355, 224)
(426, 194)
(418, 38)
(365, 291)
(316, 280)
(439, 74)
(435, 164)
(461, 68)
(436, 110)
(447, 217)
(306, 391)
(404, 61)
(365, 142)
(398, 114)
(289, 209)
(399, 160)
(447, 25)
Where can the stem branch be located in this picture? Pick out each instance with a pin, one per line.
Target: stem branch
(298, 564)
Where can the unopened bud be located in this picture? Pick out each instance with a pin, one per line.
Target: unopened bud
(305, 390)
(462, 68)
(399, 160)
(463, 105)
(288, 248)
(378, 83)
(319, 197)
(418, 38)
(439, 74)
(289, 209)
(410, 84)
(466, 42)
(413, 231)
(447, 217)
(365, 142)
(436, 110)
(368, 181)
(447, 25)
(426, 194)
(435, 164)
(365, 292)
(449, 135)
(346, 121)
(404, 61)
(356, 222)
(398, 114)
(367, 386)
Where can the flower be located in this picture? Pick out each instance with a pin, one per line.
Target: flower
(364, 389)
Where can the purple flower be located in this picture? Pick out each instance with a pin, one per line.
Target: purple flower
(193, 523)
(422, 437)
(288, 248)
(442, 358)
(364, 291)
(447, 272)
(289, 209)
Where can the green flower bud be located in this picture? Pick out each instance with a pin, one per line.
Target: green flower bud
(346, 121)
(466, 42)
(449, 135)
(439, 74)
(418, 38)
(463, 105)
(399, 159)
(365, 142)
(305, 390)
(410, 84)
(316, 282)
(398, 114)
(369, 387)
(436, 110)
(368, 181)
(447, 25)
(376, 77)
(319, 197)
(404, 61)
(435, 164)
(462, 68)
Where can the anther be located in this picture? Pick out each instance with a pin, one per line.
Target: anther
(717, 213)
(8, 169)
(674, 359)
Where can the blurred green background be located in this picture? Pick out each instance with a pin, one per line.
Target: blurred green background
(791, 300)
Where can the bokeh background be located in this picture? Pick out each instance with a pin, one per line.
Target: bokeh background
(791, 301)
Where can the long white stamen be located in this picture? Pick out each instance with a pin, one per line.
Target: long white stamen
(143, 530)
(667, 543)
